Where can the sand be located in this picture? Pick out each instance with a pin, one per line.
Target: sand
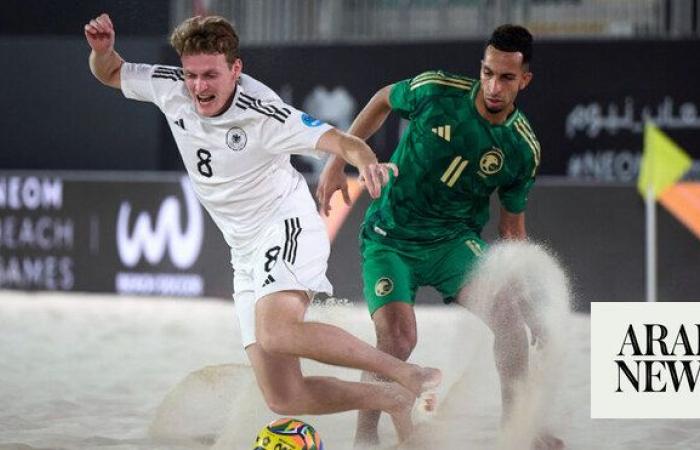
(104, 372)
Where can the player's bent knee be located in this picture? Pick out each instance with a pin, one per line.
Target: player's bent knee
(395, 325)
(405, 346)
(271, 340)
(278, 317)
(283, 406)
(397, 343)
(284, 398)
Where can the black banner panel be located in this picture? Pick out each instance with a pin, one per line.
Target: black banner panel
(148, 235)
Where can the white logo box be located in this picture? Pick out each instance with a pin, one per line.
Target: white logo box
(648, 389)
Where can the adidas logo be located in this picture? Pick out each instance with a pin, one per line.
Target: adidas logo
(443, 132)
(268, 280)
(180, 123)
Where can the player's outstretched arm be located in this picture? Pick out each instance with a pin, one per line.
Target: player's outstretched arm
(367, 122)
(105, 62)
(373, 115)
(356, 152)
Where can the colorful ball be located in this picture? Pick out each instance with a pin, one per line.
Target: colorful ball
(288, 434)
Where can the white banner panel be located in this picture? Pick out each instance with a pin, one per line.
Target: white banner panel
(644, 360)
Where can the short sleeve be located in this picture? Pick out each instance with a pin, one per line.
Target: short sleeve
(291, 131)
(407, 96)
(257, 88)
(402, 98)
(150, 83)
(514, 197)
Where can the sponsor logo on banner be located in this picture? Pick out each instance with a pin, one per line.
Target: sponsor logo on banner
(607, 165)
(595, 118)
(601, 126)
(645, 360)
(36, 239)
(157, 239)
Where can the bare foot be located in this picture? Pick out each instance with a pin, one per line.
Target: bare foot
(423, 379)
(546, 441)
(428, 402)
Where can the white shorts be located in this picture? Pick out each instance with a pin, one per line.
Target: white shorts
(292, 255)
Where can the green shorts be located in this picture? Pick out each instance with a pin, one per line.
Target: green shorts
(393, 272)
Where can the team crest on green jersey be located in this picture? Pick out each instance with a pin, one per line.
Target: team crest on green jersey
(492, 161)
(383, 287)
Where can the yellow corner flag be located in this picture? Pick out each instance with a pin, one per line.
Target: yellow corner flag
(663, 162)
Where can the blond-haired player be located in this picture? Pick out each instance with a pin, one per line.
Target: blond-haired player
(235, 137)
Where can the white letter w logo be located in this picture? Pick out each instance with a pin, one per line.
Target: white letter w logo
(151, 242)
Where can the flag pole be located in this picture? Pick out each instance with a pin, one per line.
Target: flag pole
(663, 164)
(650, 202)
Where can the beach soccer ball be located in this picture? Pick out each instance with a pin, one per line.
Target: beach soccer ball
(288, 434)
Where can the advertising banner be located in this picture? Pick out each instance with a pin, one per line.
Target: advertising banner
(99, 234)
(147, 234)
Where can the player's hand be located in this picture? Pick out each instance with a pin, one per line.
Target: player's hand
(376, 175)
(99, 33)
(330, 181)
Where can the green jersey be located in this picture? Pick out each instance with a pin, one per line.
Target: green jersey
(450, 161)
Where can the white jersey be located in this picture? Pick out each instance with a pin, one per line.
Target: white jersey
(239, 162)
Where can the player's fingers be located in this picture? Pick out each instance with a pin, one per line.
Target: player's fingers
(381, 177)
(381, 174)
(92, 32)
(346, 194)
(96, 25)
(385, 174)
(108, 20)
(103, 26)
(371, 183)
(394, 168)
(326, 203)
(321, 199)
(109, 25)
